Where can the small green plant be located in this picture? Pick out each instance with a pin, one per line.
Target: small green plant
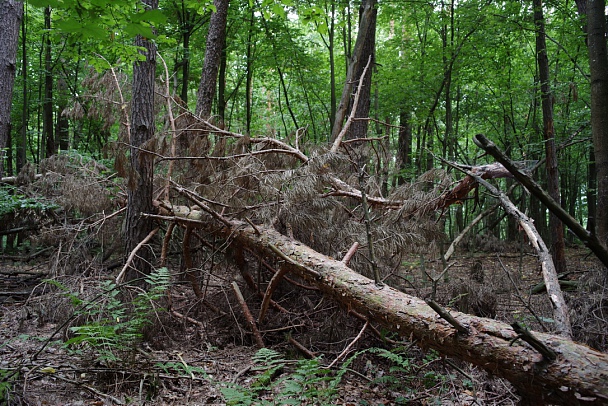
(308, 383)
(7, 380)
(181, 369)
(114, 326)
(11, 202)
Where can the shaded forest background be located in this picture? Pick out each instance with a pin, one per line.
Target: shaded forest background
(343, 125)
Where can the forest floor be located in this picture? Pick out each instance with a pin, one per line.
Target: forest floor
(190, 355)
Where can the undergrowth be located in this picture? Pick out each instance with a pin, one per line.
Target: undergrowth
(308, 382)
(112, 325)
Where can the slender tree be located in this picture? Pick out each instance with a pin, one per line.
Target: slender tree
(359, 128)
(11, 13)
(47, 102)
(555, 225)
(367, 22)
(598, 67)
(140, 183)
(213, 56)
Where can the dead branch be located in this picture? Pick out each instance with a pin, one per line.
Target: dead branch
(133, 253)
(560, 309)
(589, 239)
(248, 315)
(353, 111)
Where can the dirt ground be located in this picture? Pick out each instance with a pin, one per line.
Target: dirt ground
(192, 352)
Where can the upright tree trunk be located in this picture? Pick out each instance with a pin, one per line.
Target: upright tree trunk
(140, 183)
(62, 131)
(11, 13)
(358, 129)
(332, 66)
(558, 244)
(47, 103)
(404, 146)
(356, 64)
(221, 85)
(598, 67)
(591, 192)
(22, 144)
(186, 63)
(249, 73)
(213, 55)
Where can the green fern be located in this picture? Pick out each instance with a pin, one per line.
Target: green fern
(308, 383)
(115, 326)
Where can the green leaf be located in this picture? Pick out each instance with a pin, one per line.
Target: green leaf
(44, 3)
(154, 17)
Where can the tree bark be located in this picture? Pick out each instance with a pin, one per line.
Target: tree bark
(577, 375)
(213, 55)
(598, 67)
(404, 146)
(358, 128)
(140, 182)
(47, 103)
(356, 63)
(558, 243)
(11, 13)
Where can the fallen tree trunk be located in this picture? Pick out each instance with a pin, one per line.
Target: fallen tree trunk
(578, 375)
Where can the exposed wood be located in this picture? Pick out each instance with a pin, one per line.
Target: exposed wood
(351, 252)
(13, 180)
(143, 242)
(560, 309)
(577, 373)
(248, 315)
(590, 239)
(452, 247)
(274, 282)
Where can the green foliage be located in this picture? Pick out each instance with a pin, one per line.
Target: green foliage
(181, 369)
(7, 380)
(114, 325)
(400, 370)
(12, 202)
(307, 383)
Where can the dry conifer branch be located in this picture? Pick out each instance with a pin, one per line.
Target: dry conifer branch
(521, 298)
(447, 316)
(301, 348)
(528, 337)
(254, 288)
(274, 282)
(353, 111)
(194, 198)
(187, 318)
(368, 228)
(165, 247)
(168, 101)
(353, 249)
(452, 247)
(133, 253)
(588, 238)
(123, 104)
(248, 315)
(560, 309)
(349, 346)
